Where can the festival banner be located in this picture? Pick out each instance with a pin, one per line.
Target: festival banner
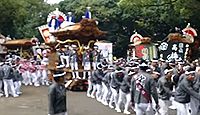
(173, 50)
(146, 51)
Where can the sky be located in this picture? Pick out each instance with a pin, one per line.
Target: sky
(53, 1)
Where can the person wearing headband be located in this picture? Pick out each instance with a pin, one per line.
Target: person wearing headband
(57, 94)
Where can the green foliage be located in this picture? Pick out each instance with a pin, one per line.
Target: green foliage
(20, 18)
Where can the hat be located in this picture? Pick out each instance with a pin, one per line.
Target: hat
(134, 65)
(190, 71)
(155, 72)
(1, 63)
(99, 66)
(131, 73)
(110, 67)
(161, 59)
(74, 46)
(178, 60)
(135, 58)
(167, 61)
(32, 61)
(59, 74)
(86, 48)
(7, 62)
(168, 70)
(60, 66)
(66, 46)
(95, 46)
(185, 68)
(149, 70)
(13, 65)
(9, 59)
(128, 65)
(181, 63)
(104, 65)
(154, 60)
(143, 65)
(119, 70)
(172, 63)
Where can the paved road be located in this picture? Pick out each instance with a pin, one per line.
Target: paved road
(33, 101)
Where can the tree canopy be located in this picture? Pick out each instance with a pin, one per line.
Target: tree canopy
(20, 18)
(120, 18)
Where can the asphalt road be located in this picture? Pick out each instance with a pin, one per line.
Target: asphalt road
(34, 101)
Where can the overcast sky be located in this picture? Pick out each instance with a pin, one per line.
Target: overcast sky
(53, 1)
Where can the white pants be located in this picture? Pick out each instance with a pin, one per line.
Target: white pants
(17, 85)
(94, 65)
(63, 58)
(194, 105)
(164, 107)
(27, 78)
(94, 88)
(105, 92)
(39, 75)
(35, 78)
(114, 96)
(144, 109)
(9, 87)
(182, 109)
(89, 88)
(87, 66)
(74, 66)
(98, 93)
(122, 97)
(44, 77)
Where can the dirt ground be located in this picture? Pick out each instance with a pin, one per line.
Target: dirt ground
(33, 101)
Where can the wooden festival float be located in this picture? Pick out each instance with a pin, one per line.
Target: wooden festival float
(180, 45)
(83, 34)
(3, 49)
(23, 46)
(141, 47)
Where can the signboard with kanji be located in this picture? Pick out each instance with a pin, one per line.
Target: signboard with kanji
(173, 50)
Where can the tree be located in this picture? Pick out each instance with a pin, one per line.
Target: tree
(158, 18)
(22, 17)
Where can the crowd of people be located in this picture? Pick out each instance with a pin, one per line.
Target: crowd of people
(147, 87)
(15, 71)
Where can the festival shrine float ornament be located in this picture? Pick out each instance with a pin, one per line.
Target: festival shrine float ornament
(61, 30)
(23, 45)
(187, 35)
(83, 33)
(2, 41)
(177, 45)
(141, 47)
(54, 21)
